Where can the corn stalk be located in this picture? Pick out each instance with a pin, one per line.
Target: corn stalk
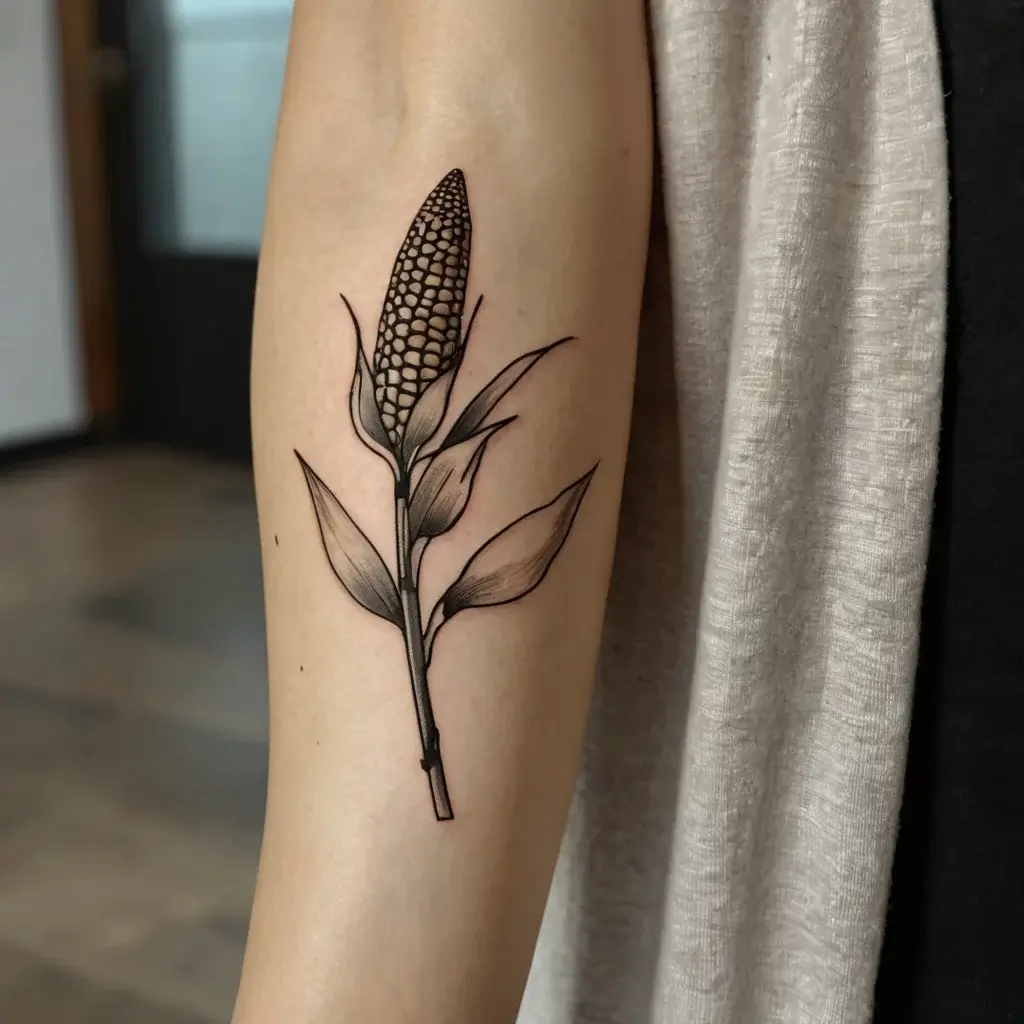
(398, 408)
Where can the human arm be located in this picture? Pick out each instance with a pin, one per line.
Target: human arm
(368, 907)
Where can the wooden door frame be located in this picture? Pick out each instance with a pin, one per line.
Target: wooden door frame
(81, 86)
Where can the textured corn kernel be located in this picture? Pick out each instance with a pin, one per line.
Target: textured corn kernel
(421, 322)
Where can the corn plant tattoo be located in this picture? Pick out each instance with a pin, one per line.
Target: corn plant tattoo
(398, 406)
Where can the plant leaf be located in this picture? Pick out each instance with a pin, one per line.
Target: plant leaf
(426, 415)
(362, 404)
(471, 418)
(430, 409)
(443, 492)
(355, 561)
(514, 561)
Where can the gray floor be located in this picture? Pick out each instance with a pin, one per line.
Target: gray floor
(132, 738)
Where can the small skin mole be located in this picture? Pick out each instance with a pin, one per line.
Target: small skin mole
(301, 669)
(276, 541)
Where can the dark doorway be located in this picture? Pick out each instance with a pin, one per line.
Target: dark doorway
(190, 92)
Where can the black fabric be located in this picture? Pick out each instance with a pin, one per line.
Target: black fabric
(954, 943)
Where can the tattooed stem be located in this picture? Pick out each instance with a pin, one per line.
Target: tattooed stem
(412, 629)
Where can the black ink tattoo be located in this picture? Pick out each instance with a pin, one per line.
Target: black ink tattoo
(398, 405)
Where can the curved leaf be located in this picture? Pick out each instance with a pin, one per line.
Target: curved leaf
(443, 492)
(362, 403)
(353, 558)
(471, 418)
(514, 561)
(426, 415)
(430, 409)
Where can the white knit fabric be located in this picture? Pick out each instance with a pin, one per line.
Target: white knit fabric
(728, 855)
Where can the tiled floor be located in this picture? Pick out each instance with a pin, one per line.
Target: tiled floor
(132, 738)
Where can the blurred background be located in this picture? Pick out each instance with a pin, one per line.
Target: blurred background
(135, 140)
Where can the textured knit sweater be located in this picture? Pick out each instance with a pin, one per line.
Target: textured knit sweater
(728, 855)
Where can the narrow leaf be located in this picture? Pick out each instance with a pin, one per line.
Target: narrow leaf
(353, 558)
(480, 408)
(429, 411)
(362, 403)
(513, 562)
(443, 492)
(426, 415)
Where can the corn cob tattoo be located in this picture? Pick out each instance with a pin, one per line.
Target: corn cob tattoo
(398, 409)
(421, 324)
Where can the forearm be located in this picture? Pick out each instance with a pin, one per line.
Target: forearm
(371, 904)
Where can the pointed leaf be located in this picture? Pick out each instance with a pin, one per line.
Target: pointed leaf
(443, 492)
(513, 562)
(362, 403)
(365, 414)
(480, 408)
(429, 411)
(426, 415)
(353, 558)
